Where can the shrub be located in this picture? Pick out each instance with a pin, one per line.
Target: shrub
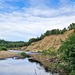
(3, 48)
(39, 51)
(53, 52)
(72, 73)
(27, 50)
(68, 52)
(23, 54)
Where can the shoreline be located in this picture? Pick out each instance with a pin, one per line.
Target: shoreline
(9, 54)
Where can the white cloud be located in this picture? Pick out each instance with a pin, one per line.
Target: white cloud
(41, 4)
(18, 26)
(32, 22)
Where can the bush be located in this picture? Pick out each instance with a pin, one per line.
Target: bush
(68, 52)
(72, 73)
(53, 52)
(23, 54)
(39, 51)
(3, 48)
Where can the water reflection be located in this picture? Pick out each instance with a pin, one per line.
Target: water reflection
(24, 51)
(24, 66)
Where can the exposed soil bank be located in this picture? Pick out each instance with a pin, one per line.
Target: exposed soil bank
(8, 54)
(52, 42)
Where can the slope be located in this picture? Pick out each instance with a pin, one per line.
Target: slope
(52, 42)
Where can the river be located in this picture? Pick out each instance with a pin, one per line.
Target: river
(22, 66)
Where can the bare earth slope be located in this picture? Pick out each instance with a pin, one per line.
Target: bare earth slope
(49, 42)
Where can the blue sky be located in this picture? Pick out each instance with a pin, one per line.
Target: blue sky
(25, 19)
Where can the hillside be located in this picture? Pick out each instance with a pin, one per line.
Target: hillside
(52, 42)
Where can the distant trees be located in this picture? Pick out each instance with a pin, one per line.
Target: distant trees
(54, 31)
(9, 44)
(31, 40)
(63, 30)
(47, 33)
(71, 26)
(50, 32)
(35, 39)
(42, 36)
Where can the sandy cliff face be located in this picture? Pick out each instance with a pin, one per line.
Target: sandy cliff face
(49, 42)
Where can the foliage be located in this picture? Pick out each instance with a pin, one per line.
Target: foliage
(48, 33)
(64, 30)
(35, 39)
(55, 31)
(73, 72)
(39, 51)
(53, 53)
(23, 54)
(71, 26)
(10, 44)
(68, 52)
(3, 48)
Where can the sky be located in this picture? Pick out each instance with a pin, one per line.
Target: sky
(21, 20)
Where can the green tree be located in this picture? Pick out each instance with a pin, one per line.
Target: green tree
(64, 30)
(47, 33)
(42, 36)
(71, 26)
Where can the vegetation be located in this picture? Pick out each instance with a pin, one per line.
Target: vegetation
(10, 44)
(3, 48)
(47, 33)
(71, 26)
(23, 54)
(49, 52)
(65, 54)
(51, 32)
(68, 52)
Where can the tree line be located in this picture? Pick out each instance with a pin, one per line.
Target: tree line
(51, 32)
(10, 44)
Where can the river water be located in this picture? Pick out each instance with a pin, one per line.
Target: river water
(14, 66)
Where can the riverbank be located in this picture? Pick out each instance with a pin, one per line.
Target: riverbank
(8, 54)
(51, 64)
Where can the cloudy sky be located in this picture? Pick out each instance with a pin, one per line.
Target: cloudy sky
(24, 19)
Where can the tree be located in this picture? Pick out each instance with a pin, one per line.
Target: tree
(71, 26)
(42, 36)
(47, 33)
(58, 31)
(53, 31)
(64, 30)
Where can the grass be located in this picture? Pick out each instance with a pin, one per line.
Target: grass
(49, 52)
